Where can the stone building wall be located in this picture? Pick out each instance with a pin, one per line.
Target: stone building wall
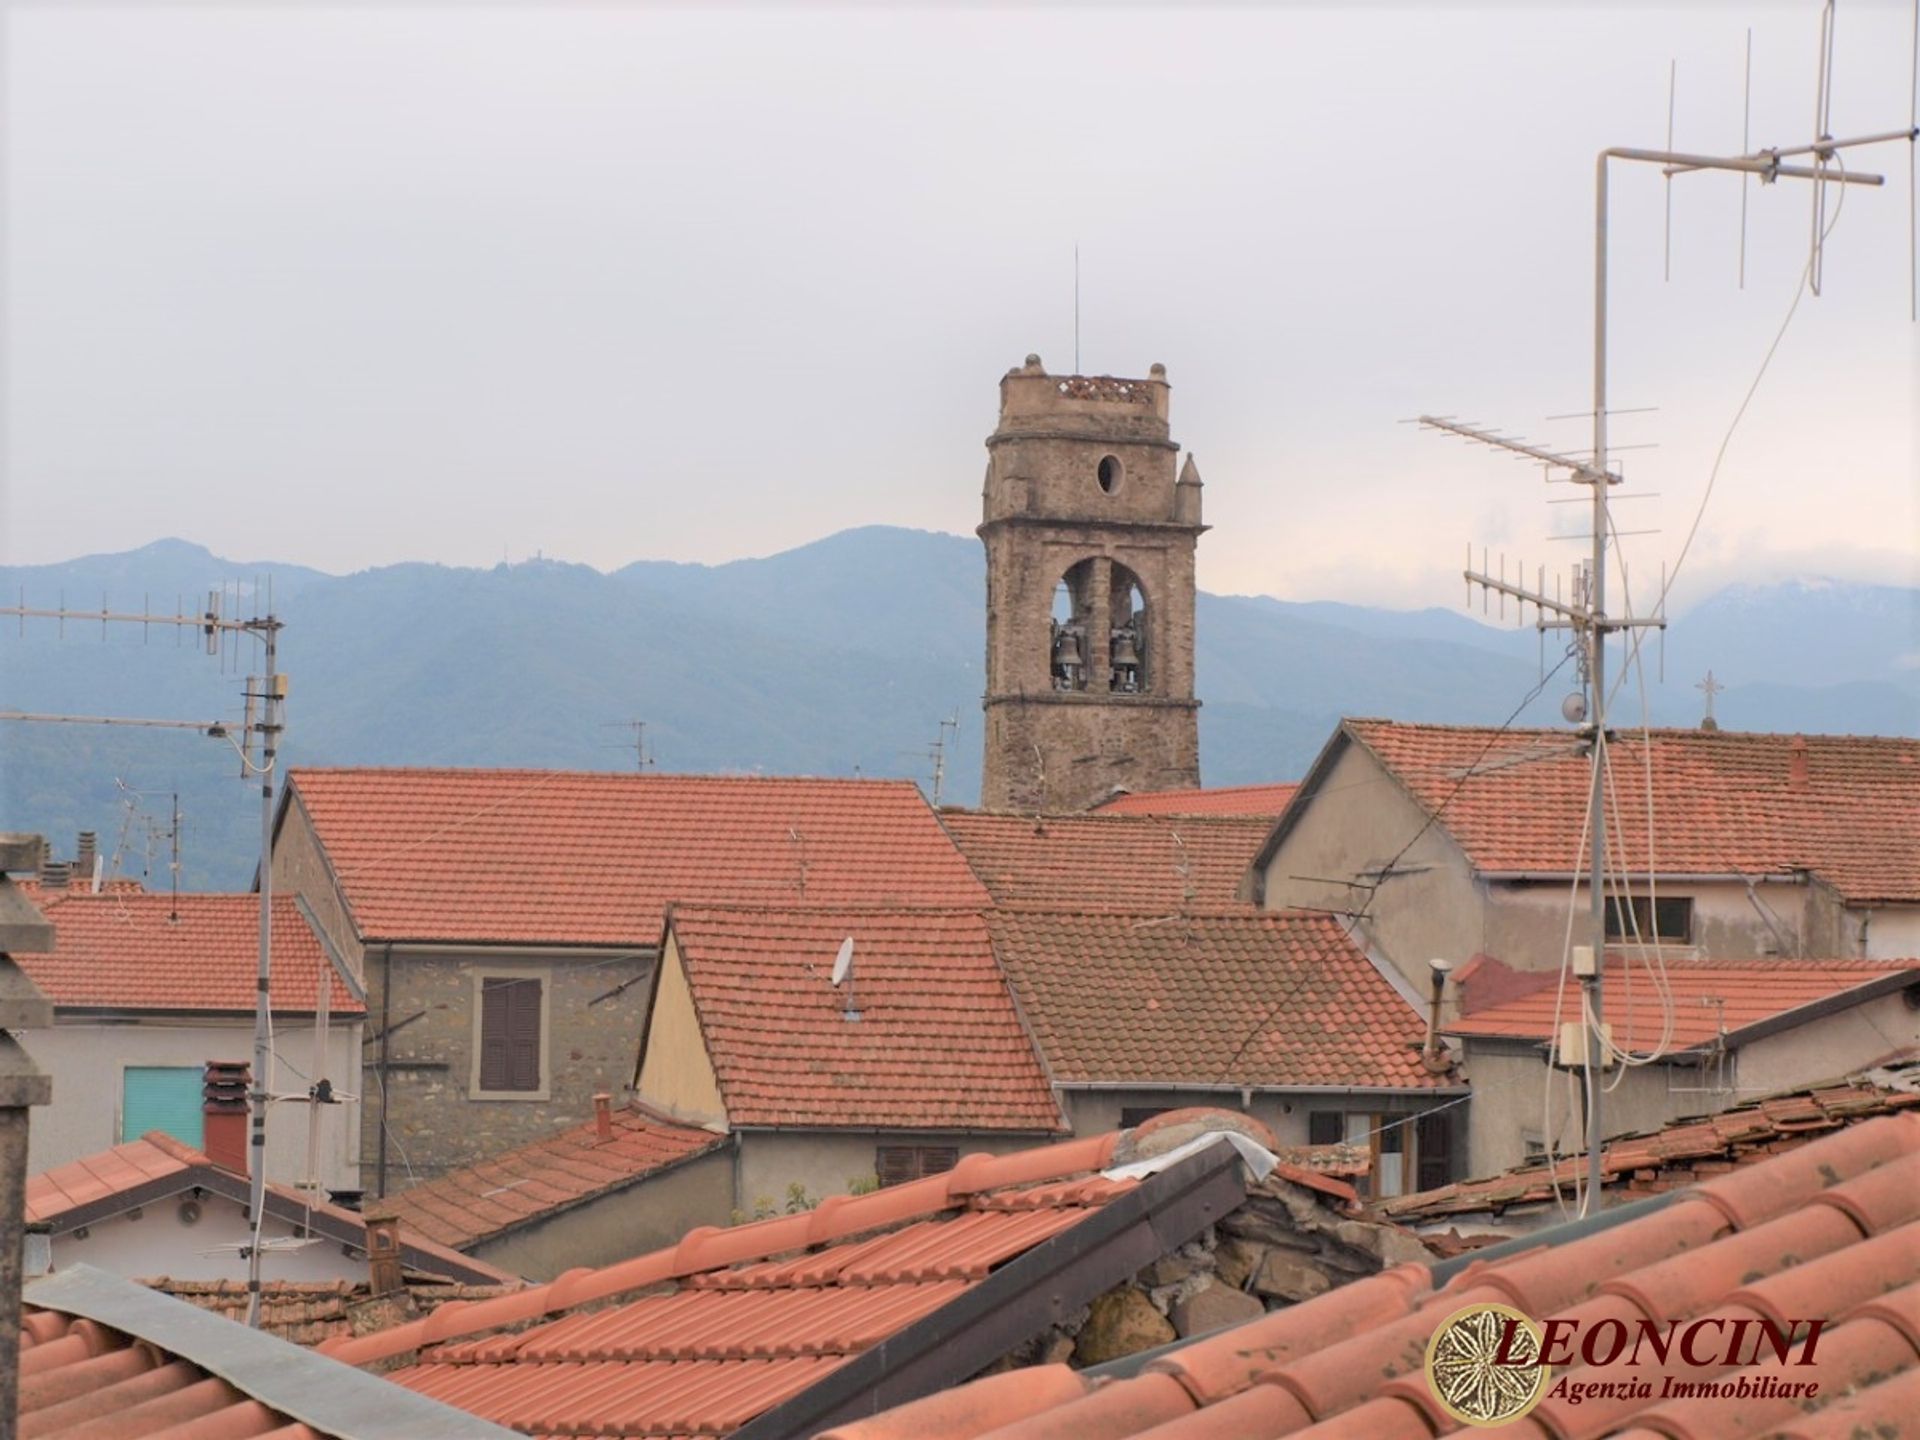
(433, 1121)
(1082, 469)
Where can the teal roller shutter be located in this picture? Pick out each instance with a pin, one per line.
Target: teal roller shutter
(166, 1098)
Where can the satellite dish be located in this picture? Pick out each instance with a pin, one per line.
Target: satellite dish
(843, 962)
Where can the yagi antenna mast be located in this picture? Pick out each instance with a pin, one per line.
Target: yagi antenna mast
(1585, 612)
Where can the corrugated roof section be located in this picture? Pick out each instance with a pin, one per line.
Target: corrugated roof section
(1845, 807)
(936, 1044)
(503, 1192)
(1123, 861)
(593, 858)
(136, 950)
(1828, 1231)
(1219, 997)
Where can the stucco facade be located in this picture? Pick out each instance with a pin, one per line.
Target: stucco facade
(88, 1062)
(1518, 1102)
(650, 1215)
(1434, 904)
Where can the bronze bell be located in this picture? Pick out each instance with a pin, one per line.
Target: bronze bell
(1066, 648)
(1126, 654)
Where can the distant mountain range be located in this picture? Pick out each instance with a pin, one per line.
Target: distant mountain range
(838, 657)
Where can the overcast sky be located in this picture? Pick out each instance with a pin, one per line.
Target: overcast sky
(352, 285)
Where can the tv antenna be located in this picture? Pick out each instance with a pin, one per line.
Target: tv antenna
(642, 756)
(221, 624)
(1584, 613)
(936, 751)
(843, 975)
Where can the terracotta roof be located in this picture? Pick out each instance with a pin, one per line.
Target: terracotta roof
(1236, 997)
(1267, 800)
(105, 1357)
(1128, 861)
(1828, 1231)
(156, 1165)
(121, 950)
(703, 1337)
(570, 1167)
(1845, 807)
(1676, 1155)
(306, 1312)
(938, 1045)
(1706, 994)
(593, 858)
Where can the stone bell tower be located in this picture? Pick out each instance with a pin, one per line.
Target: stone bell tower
(1090, 543)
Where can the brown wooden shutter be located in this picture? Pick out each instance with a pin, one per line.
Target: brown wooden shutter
(509, 1034)
(1433, 1146)
(893, 1164)
(938, 1159)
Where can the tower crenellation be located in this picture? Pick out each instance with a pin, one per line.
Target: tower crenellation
(1090, 524)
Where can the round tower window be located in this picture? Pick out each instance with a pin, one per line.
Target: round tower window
(1109, 473)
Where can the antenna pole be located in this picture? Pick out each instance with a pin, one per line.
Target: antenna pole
(174, 866)
(1596, 630)
(1076, 307)
(257, 1148)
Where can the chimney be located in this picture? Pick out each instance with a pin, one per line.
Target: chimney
(1433, 1055)
(223, 1105)
(86, 855)
(603, 1116)
(383, 1254)
(1797, 778)
(53, 875)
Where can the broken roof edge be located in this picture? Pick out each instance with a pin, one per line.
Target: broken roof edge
(1021, 1298)
(300, 1383)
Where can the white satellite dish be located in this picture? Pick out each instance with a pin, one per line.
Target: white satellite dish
(843, 962)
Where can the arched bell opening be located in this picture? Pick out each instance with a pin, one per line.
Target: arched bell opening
(1127, 634)
(1070, 655)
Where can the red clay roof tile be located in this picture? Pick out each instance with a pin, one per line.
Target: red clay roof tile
(594, 858)
(480, 1202)
(1239, 997)
(703, 1337)
(1723, 802)
(1710, 998)
(1780, 1239)
(1264, 800)
(937, 1045)
(55, 1194)
(1662, 1159)
(1131, 862)
(126, 950)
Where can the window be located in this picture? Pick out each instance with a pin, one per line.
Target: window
(897, 1164)
(1109, 473)
(167, 1098)
(1325, 1127)
(1132, 1115)
(1668, 919)
(510, 1025)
